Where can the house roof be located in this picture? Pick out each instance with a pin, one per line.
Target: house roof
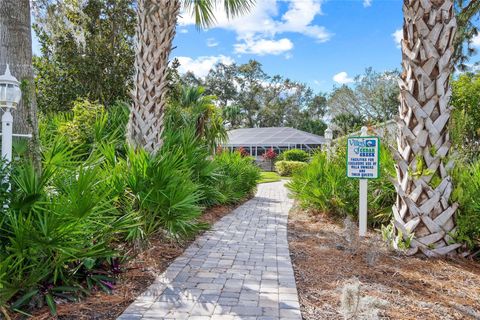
(272, 136)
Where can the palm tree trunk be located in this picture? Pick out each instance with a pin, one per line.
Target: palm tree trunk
(424, 184)
(16, 50)
(155, 32)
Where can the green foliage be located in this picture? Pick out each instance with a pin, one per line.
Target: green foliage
(80, 128)
(57, 220)
(346, 123)
(239, 176)
(87, 51)
(323, 185)
(465, 120)
(192, 108)
(467, 188)
(287, 168)
(295, 155)
(165, 194)
(395, 238)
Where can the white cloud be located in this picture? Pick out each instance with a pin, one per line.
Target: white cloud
(262, 47)
(397, 37)
(201, 65)
(367, 3)
(183, 30)
(264, 22)
(211, 42)
(342, 78)
(476, 41)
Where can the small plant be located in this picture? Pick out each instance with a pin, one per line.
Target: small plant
(396, 241)
(270, 155)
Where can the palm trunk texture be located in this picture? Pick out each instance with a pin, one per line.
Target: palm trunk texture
(155, 32)
(424, 184)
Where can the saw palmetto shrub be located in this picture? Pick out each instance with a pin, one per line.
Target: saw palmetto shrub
(58, 229)
(239, 176)
(324, 186)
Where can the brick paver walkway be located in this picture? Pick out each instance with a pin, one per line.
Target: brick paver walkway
(240, 269)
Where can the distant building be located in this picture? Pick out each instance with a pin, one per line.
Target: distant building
(256, 141)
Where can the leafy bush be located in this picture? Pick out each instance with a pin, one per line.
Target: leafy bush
(466, 193)
(323, 185)
(80, 128)
(239, 176)
(287, 168)
(296, 155)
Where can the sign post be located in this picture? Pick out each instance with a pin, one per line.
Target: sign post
(363, 155)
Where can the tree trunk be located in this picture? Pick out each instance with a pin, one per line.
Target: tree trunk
(155, 32)
(16, 50)
(424, 184)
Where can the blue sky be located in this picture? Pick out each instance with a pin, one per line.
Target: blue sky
(319, 42)
(322, 43)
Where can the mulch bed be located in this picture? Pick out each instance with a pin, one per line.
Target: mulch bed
(139, 273)
(325, 259)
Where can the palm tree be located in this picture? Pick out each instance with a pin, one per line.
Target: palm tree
(16, 50)
(155, 32)
(424, 184)
(197, 110)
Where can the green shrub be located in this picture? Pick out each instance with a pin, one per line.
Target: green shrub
(323, 185)
(165, 194)
(239, 176)
(466, 193)
(295, 155)
(287, 168)
(80, 128)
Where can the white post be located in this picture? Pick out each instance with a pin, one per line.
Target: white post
(363, 204)
(7, 122)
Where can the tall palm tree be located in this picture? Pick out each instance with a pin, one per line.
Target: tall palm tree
(424, 184)
(155, 32)
(16, 50)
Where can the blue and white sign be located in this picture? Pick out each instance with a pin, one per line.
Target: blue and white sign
(363, 154)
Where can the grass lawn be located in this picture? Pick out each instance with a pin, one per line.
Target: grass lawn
(267, 176)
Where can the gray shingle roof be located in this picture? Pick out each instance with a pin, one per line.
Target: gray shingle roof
(273, 136)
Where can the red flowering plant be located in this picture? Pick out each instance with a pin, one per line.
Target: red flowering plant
(243, 152)
(270, 155)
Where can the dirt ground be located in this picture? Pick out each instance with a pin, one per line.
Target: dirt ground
(139, 274)
(390, 286)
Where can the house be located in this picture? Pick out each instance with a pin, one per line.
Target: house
(256, 141)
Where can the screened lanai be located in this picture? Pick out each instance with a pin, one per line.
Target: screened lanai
(257, 141)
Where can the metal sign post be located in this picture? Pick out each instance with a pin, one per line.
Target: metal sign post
(363, 163)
